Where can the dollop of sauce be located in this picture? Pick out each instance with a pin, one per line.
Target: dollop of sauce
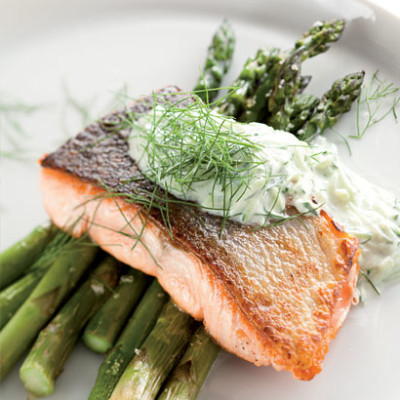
(289, 172)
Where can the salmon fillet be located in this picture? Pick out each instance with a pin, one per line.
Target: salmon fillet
(275, 296)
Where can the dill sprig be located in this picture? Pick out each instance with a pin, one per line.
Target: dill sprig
(378, 99)
(344, 139)
(368, 279)
(19, 107)
(86, 108)
(62, 243)
(82, 108)
(11, 117)
(187, 145)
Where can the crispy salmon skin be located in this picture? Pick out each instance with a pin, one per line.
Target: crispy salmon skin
(276, 295)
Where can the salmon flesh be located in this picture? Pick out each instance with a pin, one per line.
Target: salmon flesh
(273, 296)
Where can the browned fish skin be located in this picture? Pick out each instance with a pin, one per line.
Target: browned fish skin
(291, 284)
(290, 303)
(100, 152)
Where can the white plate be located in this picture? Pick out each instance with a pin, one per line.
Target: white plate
(96, 46)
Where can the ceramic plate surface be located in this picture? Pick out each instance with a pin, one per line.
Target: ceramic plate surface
(53, 51)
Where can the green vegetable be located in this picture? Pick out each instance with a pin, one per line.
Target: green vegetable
(316, 40)
(147, 371)
(52, 289)
(132, 337)
(286, 83)
(253, 73)
(304, 80)
(283, 81)
(294, 115)
(255, 103)
(189, 375)
(219, 60)
(334, 103)
(105, 326)
(272, 78)
(379, 98)
(15, 260)
(54, 344)
(14, 295)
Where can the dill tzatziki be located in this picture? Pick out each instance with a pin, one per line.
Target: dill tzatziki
(251, 173)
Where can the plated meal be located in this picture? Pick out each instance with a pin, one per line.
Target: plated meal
(232, 198)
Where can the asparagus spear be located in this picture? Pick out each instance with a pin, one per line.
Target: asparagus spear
(132, 337)
(295, 114)
(54, 344)
(282, 82)
(246, 84)
(147, 371)
(301, 110)
(15, 260)
(260, 77)
(286, 81)
(254, 106)
(219, 60)
(52, 289)
(334, 103)
(189, 375)
(316, 40)
(14, 295)
(103, 329)
(304, 80)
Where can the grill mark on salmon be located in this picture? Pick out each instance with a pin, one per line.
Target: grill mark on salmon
(272, 296)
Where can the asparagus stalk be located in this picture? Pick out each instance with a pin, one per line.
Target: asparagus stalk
(14, 295)
(295, 114)
(286, 82)
(260, 82)
(105, 326)
(54, 344)
(132, 337)
(301, 109)
(188, 377)
(254, 106)
(334, 103)
(219, 60)
(304, 80)
(245, 86)
(52, 289)
(317, 39)
(281, 83)
(147, 371)
(15, 260)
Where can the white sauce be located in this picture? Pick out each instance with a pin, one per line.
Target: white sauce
(298, 174)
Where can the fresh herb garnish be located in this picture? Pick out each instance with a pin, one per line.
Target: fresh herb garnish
(82, 108)
(12, 115)
(187, 144)
(378, 99)
(344, 139)
(368, 279)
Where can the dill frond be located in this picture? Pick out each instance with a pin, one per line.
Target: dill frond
(378, 99)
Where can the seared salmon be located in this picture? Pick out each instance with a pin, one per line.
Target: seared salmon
(273, 296)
